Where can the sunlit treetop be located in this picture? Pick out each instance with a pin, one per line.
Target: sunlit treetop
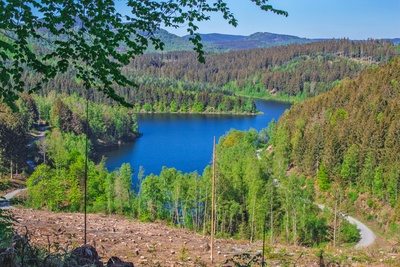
(92, 38)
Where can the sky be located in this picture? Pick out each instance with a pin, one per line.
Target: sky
(353, 19)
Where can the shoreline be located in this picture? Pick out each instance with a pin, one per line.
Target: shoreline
(194, 113)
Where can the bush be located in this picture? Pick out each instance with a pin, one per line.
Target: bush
(353, 196)
(349, 233)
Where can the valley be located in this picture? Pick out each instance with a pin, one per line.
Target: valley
(127, 114)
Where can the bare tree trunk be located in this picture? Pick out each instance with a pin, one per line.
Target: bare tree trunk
(338, 233)
(205, 214)
(272, 224)
(335, 224)
(287, 225)
(11, 169)
(252, 222)
(213, 205)
(294, 229)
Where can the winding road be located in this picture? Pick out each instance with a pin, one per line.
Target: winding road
(5, 203)
(367, 235)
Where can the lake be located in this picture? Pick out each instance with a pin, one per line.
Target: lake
(185, 141)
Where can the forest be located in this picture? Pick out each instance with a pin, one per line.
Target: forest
(177, 82)
(340, 148)
(348, 140)
(291, 72)
(65, 117)
(341, 144)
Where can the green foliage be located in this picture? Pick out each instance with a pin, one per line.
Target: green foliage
(350, 169)
(353, 196)
(342, 134)
(198, 107)
(122, 188)
(393, 185)
(378, 185)
(338, 116)
(324, 182)
(349, 232)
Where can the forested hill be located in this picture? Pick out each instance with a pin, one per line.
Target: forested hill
(224, 42)
(293, 71)
(349, 138)
(215, 42)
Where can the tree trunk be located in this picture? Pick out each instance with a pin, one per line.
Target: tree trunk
(205, 214)
(335, 224)
(272, 224)
(294, 228)
(252, 221)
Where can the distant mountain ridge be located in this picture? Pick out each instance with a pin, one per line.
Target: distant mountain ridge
(218, 37)
(218, 42)
(227, 42)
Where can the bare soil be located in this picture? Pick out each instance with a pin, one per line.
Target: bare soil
(149, 244)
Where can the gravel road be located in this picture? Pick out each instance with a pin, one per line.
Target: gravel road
(5, 204)
(367, 236)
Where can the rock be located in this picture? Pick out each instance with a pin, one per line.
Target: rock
(116, 262)
(86, 255)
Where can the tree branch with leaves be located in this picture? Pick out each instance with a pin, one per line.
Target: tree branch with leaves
(92, 38)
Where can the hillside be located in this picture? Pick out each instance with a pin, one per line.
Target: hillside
(296, 71)
(347, 139)
(156, 244)
(292, 69)
(226, 42)
(217, 42)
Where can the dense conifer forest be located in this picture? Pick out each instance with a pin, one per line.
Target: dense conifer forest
(177, 82)
(290, 72)
(348, 140)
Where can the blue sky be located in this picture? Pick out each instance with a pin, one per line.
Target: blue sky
(353, 19)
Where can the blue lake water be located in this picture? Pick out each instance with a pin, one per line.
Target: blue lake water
(185, 141)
